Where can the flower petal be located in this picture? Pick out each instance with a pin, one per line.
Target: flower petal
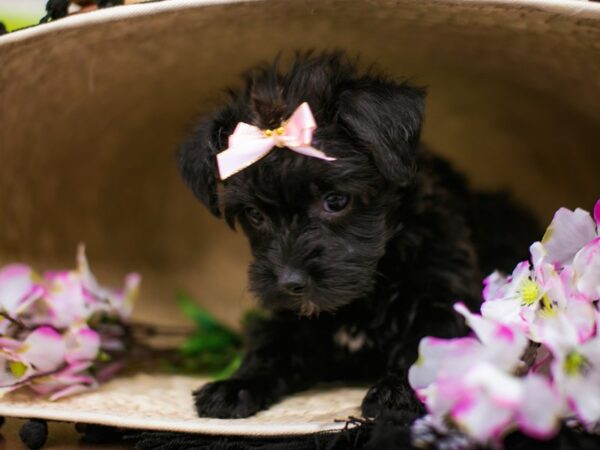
(494, 286)
(115, 303)
(583, 394)
(493, 401)
(538, 254)
(583, 316)
(506, 307)
(71, 390)
(483, 420)
(557, 333)
(70, 375)
(567, 234)
(17, 288)
(10, 344)
(88, 280)
(82, 344)
(130, 295)
(65, 300)
(441, 355)
(504, 311)
(504, 389)
(503, 344)
(44, 349)
(540, 412)
(587, 268)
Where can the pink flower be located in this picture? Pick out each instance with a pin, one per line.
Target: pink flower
(68, 381)
(51, 363)
(493, 342)
(64, 302)
(54, 332)
(117, 303)
(66, 297)
(42, 351)
(575, 366)
(470, 381)
(531, 296)
(508, 298)
(497, 402)
(552, 301)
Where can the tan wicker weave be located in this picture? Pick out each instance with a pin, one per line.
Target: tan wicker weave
(164, 403)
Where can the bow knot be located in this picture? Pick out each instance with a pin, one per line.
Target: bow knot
(276, 135)
(248, 143)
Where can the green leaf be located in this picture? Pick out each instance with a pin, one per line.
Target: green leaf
(252, 316)
(212, 348)
(233, 365)
(201, 342)
(203, 319)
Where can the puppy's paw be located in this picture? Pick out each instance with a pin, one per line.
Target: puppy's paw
(234, 398)
(391, 393)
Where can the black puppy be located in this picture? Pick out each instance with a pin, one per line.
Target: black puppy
(356, 259)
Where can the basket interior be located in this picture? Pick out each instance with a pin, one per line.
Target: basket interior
(92, 115)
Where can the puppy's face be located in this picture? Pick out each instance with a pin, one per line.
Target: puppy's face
(317, 229)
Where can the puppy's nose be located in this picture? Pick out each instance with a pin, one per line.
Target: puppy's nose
(292, 281)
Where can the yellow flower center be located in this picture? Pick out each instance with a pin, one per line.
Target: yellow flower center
(530, 292)
(17, 368)
(548, 307)
(574, 363)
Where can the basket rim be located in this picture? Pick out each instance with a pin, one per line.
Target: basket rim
(575, 9)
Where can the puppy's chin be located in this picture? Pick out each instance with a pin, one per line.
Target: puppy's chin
(308, 308)
(302, 306)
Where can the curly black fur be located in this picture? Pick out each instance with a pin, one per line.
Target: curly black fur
(370, 280)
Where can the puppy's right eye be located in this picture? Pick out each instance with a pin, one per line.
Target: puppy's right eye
(335, 202)
(255, 217)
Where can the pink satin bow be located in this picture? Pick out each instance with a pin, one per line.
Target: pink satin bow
(248, 143)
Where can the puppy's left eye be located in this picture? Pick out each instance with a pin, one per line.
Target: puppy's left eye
(335, 202)
(255, 217)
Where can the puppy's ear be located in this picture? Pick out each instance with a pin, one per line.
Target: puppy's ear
(197, 164)
(385, 117)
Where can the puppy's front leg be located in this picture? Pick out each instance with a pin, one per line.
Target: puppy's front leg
(284, 354)
(393, 391)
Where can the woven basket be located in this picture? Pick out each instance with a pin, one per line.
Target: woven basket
(93, 106)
